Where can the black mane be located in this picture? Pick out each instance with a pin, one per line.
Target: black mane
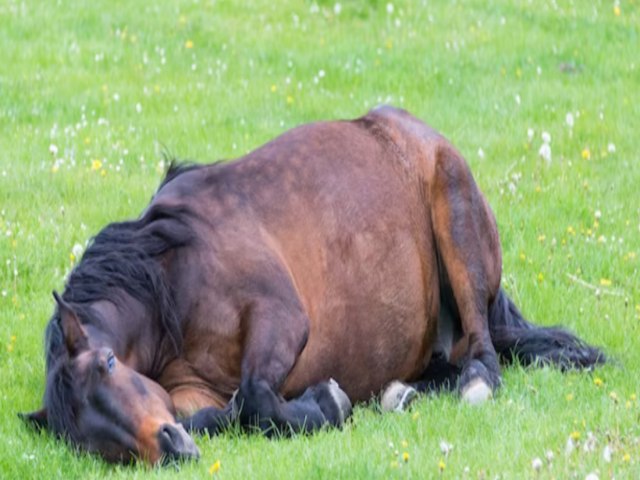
(124, 257)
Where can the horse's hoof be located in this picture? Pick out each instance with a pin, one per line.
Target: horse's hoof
(397, 396)
(341, 399)
(477, 392)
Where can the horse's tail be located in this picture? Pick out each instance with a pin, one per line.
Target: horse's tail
(514, 338)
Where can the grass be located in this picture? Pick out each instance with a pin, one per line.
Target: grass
(109, 85)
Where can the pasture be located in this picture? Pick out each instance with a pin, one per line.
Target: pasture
(92, 94)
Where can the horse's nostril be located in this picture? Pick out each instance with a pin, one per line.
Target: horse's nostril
(175, 442)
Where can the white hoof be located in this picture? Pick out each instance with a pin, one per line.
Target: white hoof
(341, 399)
(397, 397)
(477, 392)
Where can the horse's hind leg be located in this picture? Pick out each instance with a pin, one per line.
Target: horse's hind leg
(470, 262)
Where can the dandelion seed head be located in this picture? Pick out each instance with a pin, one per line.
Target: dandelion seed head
(536, 464)
(545, 152)
(569, 119)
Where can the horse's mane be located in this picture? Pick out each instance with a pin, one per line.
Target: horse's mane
(124, 257)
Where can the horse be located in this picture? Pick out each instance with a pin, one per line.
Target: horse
(276, 290)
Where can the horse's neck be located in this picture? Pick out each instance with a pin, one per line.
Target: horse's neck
(132, 332)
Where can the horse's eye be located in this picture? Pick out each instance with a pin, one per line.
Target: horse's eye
(111, 362)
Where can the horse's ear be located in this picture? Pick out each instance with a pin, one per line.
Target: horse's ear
(37, 419)
(74, 335)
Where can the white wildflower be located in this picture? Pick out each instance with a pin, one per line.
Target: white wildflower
(569, 120)
(536, 464)
(611, 148)
(481, 153)
(53, 149)
(337, 8)
(592, 476)
(545, 152)
(569, 447)
(546, 137)
(530, 134)
(445, 447)
(390, 8)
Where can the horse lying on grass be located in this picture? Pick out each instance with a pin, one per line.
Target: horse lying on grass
(275, 290)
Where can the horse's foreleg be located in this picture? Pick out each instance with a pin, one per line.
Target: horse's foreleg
(277, 330)
(470, 260)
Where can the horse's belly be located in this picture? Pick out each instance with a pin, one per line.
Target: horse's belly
(373, 324)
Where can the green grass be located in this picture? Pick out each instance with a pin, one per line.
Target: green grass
(115, 82)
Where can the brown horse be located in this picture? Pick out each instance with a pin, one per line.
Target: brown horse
(360, 251)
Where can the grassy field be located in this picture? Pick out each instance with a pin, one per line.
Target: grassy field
(91, 93)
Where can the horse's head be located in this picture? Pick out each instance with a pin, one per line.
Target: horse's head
(102, 406)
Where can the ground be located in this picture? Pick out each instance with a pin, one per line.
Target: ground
(541, 97)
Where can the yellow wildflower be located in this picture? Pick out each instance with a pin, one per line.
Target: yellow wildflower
(633, 397)
(214, 467)
(597, 382)
(274, 88)
(540, 277)
(613, 396)
(626, 457)
(417, 414)
(96, 164)
(404, 444)
(569, 397)
(575, 435)
(405, 456)
(616, 10)
(289, 99)
(605, 282)
(441, 465)
(586, 153)
(189, 44)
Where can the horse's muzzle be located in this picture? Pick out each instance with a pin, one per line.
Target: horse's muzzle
(176, 444)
